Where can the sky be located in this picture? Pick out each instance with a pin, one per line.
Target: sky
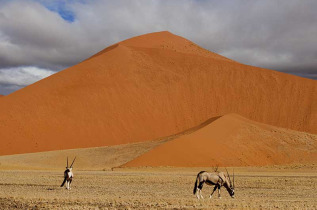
(41, 37)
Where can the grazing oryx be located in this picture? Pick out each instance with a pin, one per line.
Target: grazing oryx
(68, 175)
(214, 178)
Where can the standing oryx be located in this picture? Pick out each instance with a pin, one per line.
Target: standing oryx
(68, 175)
(214, 178)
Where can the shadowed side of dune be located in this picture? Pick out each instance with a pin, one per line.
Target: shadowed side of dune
(233, 141)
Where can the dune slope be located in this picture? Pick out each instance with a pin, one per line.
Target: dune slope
(145, 88)
(233, 141)
(98, 158)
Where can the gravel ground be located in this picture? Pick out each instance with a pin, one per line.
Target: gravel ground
(155, 189)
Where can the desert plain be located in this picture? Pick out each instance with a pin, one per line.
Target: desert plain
(291, 187)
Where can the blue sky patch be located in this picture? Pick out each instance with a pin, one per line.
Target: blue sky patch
(66, 15)
(61, 7)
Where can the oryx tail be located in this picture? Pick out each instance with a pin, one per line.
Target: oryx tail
(195, 187)
(63, 182)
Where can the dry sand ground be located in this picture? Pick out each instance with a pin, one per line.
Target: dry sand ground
(155, 188)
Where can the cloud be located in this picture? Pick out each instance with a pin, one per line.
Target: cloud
(22, 76)
(54, 35)
(38, 37)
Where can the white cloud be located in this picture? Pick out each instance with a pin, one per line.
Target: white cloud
(22, 76)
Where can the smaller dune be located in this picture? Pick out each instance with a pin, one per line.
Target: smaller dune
(233, 140)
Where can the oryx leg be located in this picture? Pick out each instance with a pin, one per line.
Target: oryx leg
(213, 191)
(219, 196)
(197, 194)
(200, 187)
(70, 181)
(201, 194)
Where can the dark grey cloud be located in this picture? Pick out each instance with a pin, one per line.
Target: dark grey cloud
(53, 35)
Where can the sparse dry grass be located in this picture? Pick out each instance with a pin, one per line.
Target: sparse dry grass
(256, 188)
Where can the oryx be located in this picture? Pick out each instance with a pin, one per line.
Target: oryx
(68, 175)
(214, 178)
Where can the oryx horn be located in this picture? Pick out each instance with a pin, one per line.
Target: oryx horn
(67, 161)
(229, 177)
(73, 162)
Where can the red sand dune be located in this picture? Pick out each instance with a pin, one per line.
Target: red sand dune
(145, 88)
(233, 141)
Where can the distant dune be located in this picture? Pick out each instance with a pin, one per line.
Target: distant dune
(145, 88)
(233, 141)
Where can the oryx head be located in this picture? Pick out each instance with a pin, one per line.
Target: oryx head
(71, 166)
(230, 188)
